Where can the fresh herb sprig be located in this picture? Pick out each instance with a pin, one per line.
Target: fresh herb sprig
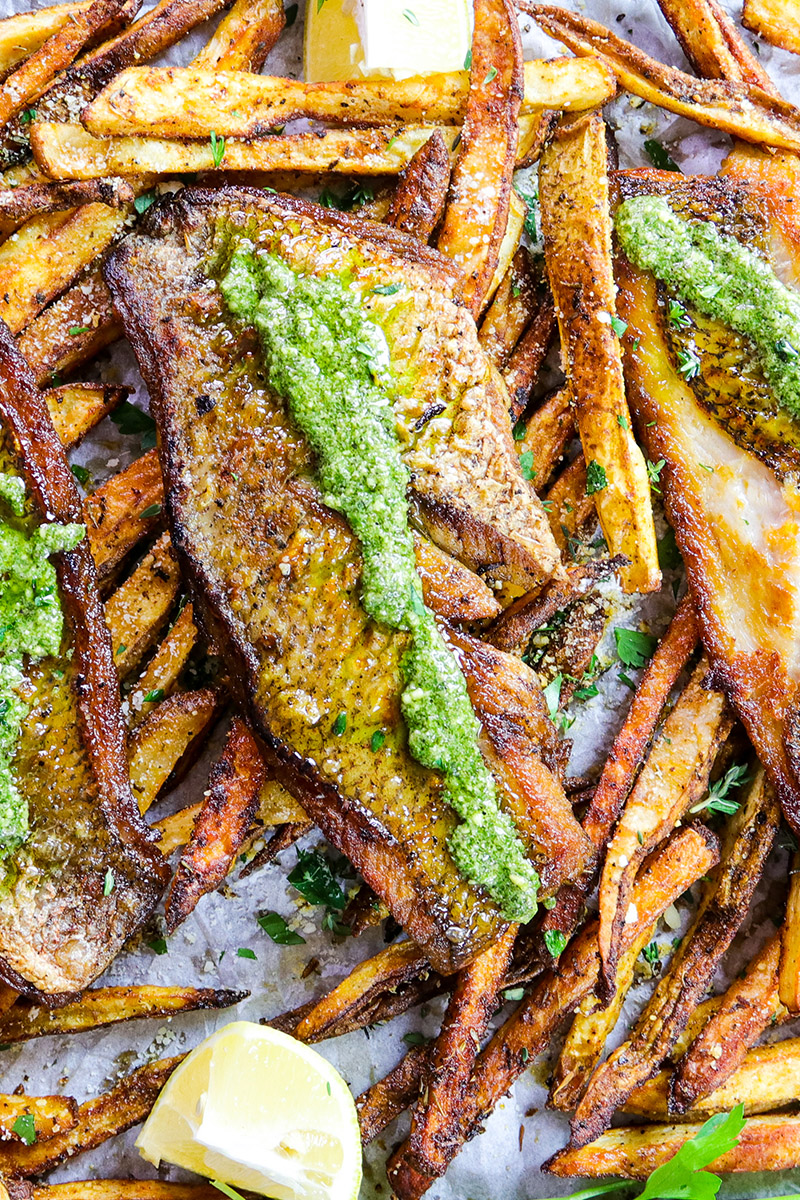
(718, 799)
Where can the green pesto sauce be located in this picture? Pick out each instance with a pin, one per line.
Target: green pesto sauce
(331, 365)
(31, 624)
(723, 280)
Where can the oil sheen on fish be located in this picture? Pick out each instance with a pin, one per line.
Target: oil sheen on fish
(730, 479)
(277, 573)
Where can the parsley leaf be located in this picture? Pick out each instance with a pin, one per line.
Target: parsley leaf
(552, 695)
(152, 510)
(654, 474)
(81, 474)
(717, 799)
(556, 942)
(651, 953)
(339, 725)
(27, 116)
(77, 330)
(634, 648)
(688, 364)
(274, 925)
(677, 315)
(246, 952)
(387, 289)
(618, 325)
(683, 1175)
(415, 1039)
(531, 202)
(158, 945)
(108, 882)
(491, 74)
(314, 879)
(468, 60)
(143, 202)
(526, 464)
(669, 556)
(130, 420)
(377, 740)
(659, 157)
(513, 993)
(154, 696)
(217, 148)
(25, 1128)
(596, 478)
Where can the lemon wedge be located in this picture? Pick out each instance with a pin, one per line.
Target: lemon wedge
(345, 39)
(254, 1108)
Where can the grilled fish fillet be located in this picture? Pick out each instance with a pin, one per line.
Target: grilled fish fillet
(277, 574)
(730, 481)
(61, 922)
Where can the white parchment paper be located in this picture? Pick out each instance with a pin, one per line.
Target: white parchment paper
(503, 1163)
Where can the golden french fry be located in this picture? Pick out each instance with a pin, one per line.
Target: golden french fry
(99, 1007)
(517, 211)
(97, 1121)
(75, 408)
(548, 432)
(576, 221)
(789, 976)
(123, 510)
(513, 306)
(140, 606)
(51, 1115)
(169, 733)
(122, 1189)
(450, 589)
(69, 152)
(378, 1106)
(525, 363)
(160, 677)
(244, 37)
(36, 198)
(776, 20)
(568, 505)
(419, 198)
(23, 34)
(713, 44)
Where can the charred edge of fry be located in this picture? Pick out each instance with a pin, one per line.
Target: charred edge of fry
(515, 625)
(418, 203)
(526, 361)
(378, 1106)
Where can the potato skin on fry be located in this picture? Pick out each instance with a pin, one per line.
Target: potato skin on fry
(419, 198)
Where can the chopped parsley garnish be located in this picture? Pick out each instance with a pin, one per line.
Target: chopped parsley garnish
(654, 474)
(526, 465)
(217, 148)
(152, 510)
(319, 5)
(25, 1128)
(77, 330)
(121, 648)
(519, 431)
(552, 695)
(143, 202)
(339, 725)
(651, 953)
(587, 692)
(531, 202)
(415, 1039)
(377, 740)
(683, 1174)
(246, 952)
(677, 315)
(634, 648)
(387, 289)
(513, 993)
(618, 325)
(718, 800)
(688, 364)
(596, 478)
(130, 420)
(275, 927)
(315, 880)
(158, 945)
(622, 421)
(468, 60)
(491, 74)
(556, 942)
(411, 16)
(626, 679)
(154, 696)
(27, 116)
(659, 157)
(669, 556)
(327, 199)
(108, 882)
(81, 474)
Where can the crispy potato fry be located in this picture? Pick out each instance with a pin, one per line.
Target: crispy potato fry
(47, 343)
(244, 37)
(33, 75)
(525, 363)
(789, 976)
(667, 874)
(115, 513)
(222, 824)
(517, 211)
(476, 215)
(161, 674)
(51, 1114)
(513, 307)
(170, 732)
(747, 842)
(188, 102)
(37, 198)
(450, 589)
(673, 778)
(778, 21)
(99, 1007)
(435, 1130)
(23, 34)
(711, 41)
(140, 606)
(98, 1120)
(75, 408)
(750, 1005)
(176, 829)
(765, 1144)
(378, 1106)
(514, 627)
(568, 506)
(123, 1189)
(548, 432)
(576, 222)
(284, 836)
(735, 108)
(275, 807)
(418, 202)
(47, 253)
(69, 152)
(364, 911)
(534, 131)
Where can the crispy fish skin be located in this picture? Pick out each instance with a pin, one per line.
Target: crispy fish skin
(276, 573)
(58, 929)
(730, 477)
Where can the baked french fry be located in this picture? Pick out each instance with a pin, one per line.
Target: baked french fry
(38, 198)
(568, 505)
(711, 41)
(548, 432)
(97, 1121)
(517, 211)
(99, 1007)
(419, 198)
(735, 108)
(364, 911)
(789, 975)
(51, 1115)
(244, 37)
(534, 131)
(476, 215)
(47, 343)
(778, 21)
(169, 733)
(161, 673)
(451, 589)
(47, 253)
(122, 1189)
(69, 152)
(75, 408)
(525, 363)
(222, 824)
(123, 510)
(140, 606)
(22, 34)
(188, 102)
(435, 1134)
(576, 221)
(513, 307)
(285, 835)
(747, 842)
(33, 75)
(674, 777)
(176, 829)
(378, 1106)
(750, 1005)
(515, 625)
(765, 1144)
